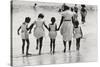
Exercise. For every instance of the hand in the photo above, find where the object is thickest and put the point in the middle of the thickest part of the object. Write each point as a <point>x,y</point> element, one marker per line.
<point>59,10</point>
<point>29,32</point>
<point>57,29</point>
<point>18,33</point>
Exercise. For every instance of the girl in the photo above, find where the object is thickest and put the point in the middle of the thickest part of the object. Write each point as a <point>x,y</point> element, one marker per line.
<point>52,34</point>
<point>66,26</point>
<point>83,13</point>
<point>38,31</point>
<point>77,34</point>
<point>24,34</point>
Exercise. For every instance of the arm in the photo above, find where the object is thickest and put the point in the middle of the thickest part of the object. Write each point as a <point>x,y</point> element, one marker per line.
<point>30,28</point>
<point>81,32</point>
<point>59,10</point>
<point>73,31</point>
<point>56,28</point>
<point>61,22</point>
<point>73,20</point>
<point>46,26</point>
<point>18,30</point>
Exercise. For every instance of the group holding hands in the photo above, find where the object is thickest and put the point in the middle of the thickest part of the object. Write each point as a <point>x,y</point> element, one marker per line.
<point>69,27</point>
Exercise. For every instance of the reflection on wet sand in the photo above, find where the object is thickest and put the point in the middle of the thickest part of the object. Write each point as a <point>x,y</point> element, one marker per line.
<point>51,59</point>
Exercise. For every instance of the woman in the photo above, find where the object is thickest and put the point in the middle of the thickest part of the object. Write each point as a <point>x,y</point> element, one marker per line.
<point>66,26</point>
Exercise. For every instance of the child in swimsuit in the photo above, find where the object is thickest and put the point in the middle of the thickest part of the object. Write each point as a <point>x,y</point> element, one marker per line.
<point>38,31</point>
<point>25,34</point>
<point>52,34</point>
<point>77,34</point>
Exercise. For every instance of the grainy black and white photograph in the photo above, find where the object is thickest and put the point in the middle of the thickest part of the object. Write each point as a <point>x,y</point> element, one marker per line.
<point>53,33</point>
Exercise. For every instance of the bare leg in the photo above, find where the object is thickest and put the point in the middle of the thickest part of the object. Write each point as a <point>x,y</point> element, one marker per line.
<point>53,46</point>
<point>41,39</point>
<point>50,45</point>
<point>78,44</point>
<point>37,44</point>
<point>69,44</point>
<point>23,45</point>
<point>64,42</point>
<point>27,49</point>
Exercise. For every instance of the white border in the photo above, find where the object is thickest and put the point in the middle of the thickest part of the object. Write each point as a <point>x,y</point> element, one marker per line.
<point>5,33</point>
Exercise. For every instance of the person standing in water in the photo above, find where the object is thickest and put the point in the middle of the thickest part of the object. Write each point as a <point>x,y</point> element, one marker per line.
<point>34,7</point>
<point>66,26</point>
<point>83,13</point>
<point>52,34</point>
<point>77,31</point>
<point>25,34</point>
<point>39,31</point>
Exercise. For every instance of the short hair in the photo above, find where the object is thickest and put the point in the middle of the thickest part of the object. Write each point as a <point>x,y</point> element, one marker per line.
<point>83,5</point>
<point>35,4</point>
<point>53,19</point>
<point>27,19</point>
<point>40,15</point>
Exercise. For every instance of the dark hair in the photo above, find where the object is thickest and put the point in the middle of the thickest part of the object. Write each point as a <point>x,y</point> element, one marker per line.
<point>27,19</point>
<point>72,9</point>
<point>75,4</point>
<point>83,5</point>
<point>35,4</point>
<point>76,23</point>
<point>53,19</point>
<point>65,7</point>
<point>40,15</point>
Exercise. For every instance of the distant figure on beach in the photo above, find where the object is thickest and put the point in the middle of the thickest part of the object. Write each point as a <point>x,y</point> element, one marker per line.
<point>83,13</point>
<point>34,7</point>
<point>75,8</point>
<point>25,34</point>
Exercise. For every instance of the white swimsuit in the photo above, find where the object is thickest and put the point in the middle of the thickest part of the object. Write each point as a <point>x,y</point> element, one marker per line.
<point>52,33</point>
<point>39,30</point>
<point>24,32</point>
<point>77,32</point>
